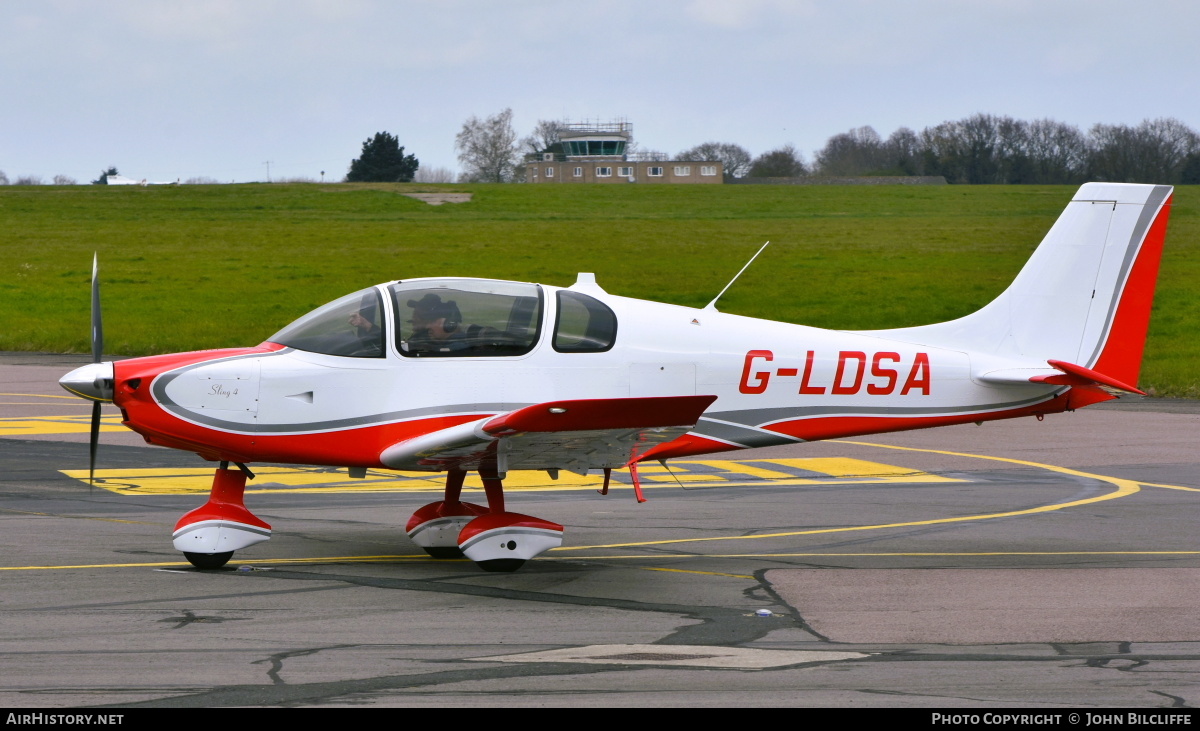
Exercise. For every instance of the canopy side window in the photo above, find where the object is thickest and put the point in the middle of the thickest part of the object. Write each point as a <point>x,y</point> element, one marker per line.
<point>466,319</point>
<point>584,324</point>
<point>352,326</point>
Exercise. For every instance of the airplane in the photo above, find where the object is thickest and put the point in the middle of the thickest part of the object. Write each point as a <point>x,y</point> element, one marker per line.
<point>461,374</point>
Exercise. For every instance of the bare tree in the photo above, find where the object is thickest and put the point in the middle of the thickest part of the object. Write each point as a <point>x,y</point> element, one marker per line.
<point>734,158</point>
<point>28,180</point>
<point>546,133</point>
<point>904,149</point>
<point>3,178</point>
<point>65,180</point>
<point>784,162</point>
<point>487,148</point>
<point>857,152</point>
<point>1111,155</point>
<point>434,175</point>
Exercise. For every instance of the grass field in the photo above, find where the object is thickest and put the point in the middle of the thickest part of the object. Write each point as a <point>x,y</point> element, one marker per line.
<point>193,267</point>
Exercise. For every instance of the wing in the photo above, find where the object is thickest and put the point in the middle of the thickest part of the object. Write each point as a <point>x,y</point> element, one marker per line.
<point>571,435</point>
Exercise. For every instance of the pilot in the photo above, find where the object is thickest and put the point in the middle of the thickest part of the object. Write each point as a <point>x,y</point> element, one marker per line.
<point>436,325</point>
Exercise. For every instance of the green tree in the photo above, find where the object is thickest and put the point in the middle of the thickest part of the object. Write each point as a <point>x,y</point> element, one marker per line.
<point>784,162</point>
<point>382,161</point>
<point>735,159</point>
<point>103,179</point>
<point>1190,175</point>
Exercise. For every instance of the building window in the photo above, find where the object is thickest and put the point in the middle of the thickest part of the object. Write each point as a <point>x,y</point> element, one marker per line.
<point>603,172</point>
<point>682,170</point>
<point>579,172</point>
<point>549,172</point>
<point>708,169</point>
<point>625,172</point>
<point>654,172</point>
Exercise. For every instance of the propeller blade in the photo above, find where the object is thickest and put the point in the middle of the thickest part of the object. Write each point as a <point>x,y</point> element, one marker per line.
<point>97,323</point>
<point>94,441</point>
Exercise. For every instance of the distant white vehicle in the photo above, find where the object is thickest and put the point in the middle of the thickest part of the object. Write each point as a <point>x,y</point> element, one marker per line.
<point>122,180</point>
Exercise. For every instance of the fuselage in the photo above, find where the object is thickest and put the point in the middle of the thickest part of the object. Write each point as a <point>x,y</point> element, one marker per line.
<point>775,383</point>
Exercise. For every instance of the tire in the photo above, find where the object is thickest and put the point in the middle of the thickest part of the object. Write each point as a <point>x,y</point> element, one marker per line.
<point>444,551</point>
<point>208,561</point>
<point>501,565</point>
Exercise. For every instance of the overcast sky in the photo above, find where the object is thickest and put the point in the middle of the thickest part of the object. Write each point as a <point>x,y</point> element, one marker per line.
<point>167,89</point>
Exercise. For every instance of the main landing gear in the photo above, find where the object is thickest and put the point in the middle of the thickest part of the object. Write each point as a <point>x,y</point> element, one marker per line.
<point>210,534</point>
<point>495,539</point>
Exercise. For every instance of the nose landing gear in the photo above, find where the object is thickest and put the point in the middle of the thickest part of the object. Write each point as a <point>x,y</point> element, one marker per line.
<point>209,535</point>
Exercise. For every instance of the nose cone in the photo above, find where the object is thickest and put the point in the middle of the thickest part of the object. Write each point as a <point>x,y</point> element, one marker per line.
<point>93,381</point>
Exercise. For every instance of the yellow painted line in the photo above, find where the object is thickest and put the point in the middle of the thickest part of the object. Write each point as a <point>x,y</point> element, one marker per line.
<point>898,554</point>
<point>257,562</point>
<point>39,403</point>
<point>1124,489</point>
<point>81,424</point>
<point>42,395</point>
<point>696,473</point>
<point>79,517</point>
<point>1170,487</point>
<point>702,573</point>
<point>422,558</point>
<point>746,468</point>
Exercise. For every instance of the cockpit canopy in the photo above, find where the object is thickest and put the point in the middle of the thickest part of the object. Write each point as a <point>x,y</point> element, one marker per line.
<point>452,318</point>
<point>466,317</point>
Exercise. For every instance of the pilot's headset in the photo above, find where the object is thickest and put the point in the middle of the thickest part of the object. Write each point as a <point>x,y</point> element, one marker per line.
<point>449,310</point>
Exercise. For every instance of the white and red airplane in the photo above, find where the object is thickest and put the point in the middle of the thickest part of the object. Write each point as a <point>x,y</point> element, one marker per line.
<point>454,375</point>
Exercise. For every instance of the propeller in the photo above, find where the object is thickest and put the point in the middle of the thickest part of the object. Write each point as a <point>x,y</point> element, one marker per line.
<point>97,352</point>
<point>95,380</point>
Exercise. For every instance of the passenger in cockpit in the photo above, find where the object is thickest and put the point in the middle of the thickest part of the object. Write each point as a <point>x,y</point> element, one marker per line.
<point>370,337</point>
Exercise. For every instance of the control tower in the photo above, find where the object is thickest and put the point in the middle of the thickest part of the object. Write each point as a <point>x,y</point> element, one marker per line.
<point>597,152</point>
<point>588,140</point>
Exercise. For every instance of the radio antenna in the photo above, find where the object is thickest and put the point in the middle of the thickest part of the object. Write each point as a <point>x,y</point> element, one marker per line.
<point>713,305</point>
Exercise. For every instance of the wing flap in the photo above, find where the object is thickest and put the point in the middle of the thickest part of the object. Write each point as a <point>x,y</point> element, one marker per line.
<point>575,435</point>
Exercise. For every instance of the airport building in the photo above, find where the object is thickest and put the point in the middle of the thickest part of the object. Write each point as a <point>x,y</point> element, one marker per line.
<point>596,153</point>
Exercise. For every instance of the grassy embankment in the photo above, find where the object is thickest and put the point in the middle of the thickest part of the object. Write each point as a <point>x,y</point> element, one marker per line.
<point>210,266</point>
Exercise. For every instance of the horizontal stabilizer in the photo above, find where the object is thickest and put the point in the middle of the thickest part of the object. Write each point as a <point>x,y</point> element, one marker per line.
<point>1059,373</point>
<point>573,435</point>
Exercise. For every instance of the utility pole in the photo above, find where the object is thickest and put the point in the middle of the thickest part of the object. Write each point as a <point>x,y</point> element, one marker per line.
<point>268,164</point>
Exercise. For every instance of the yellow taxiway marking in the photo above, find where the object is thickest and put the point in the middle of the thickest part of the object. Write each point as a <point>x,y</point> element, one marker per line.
<point>77,517</point>
<point>692,473</point>
<point>1124,489</point>
<point>423,558</point>
<point>42,395</point>
<point>702,573</point>
<point>760,472</point>
<point>81,424</point>
<point>1170,487</point>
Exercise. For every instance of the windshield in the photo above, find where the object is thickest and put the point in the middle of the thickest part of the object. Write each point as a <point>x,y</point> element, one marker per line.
<point>466,318</point>
<point>350,326</point>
